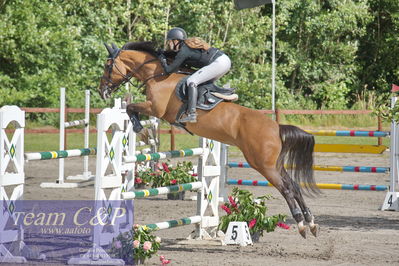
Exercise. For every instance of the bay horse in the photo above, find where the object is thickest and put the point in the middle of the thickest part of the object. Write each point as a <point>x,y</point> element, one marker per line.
<point>266,145</point>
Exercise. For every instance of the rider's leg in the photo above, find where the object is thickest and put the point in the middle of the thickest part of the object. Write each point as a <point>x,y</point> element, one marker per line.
<point>192,103</point>
<point>213,71</point>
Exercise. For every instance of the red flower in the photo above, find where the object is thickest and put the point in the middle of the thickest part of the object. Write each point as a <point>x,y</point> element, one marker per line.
<point>283,225</point>
<point>173,181</point>
<point>252,223</point>
<point>232,202</point>
<point>226,209</point>
<point>165,167</point>
<point>138,180</point>
<point>194,174</point>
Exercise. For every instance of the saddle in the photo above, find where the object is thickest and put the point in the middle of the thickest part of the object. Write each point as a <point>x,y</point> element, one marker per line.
<point>209,95</point>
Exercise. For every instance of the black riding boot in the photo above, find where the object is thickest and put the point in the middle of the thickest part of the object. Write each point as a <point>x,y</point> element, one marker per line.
<point>191,116</point>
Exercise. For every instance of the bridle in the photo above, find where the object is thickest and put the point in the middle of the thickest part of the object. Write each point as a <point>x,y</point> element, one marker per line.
<point>111,86</point>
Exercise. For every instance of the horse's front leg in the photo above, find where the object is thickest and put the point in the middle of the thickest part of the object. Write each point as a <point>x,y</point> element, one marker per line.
<point>133,111</point>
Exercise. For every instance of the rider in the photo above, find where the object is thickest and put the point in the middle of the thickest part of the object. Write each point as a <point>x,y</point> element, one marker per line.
<point>194,52</point>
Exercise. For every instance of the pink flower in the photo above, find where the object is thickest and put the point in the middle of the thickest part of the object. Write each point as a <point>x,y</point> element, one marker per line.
<point>164,262</point>
<point>283,225</point>
<point>136,244</point>
<point>232,202</point>
<point>147,245</point>
<point>173,181</point>
<point>165,167</point>
<point>138,180</point>
<point>158,166</point>
<point>252,223</point>
<point>226,209</point>
<point>118,244</point>
<point>136,226</point>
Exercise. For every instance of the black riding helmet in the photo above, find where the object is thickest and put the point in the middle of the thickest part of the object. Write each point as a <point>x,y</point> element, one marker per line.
<point>176,34</point>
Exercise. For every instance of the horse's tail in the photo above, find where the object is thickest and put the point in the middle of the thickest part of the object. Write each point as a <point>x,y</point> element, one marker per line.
<point>297,156</point>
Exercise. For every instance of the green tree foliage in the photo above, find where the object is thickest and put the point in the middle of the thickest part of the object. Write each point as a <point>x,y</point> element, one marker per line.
<point>319,43</point>
<point>328,52</point>
<point>378,55</point>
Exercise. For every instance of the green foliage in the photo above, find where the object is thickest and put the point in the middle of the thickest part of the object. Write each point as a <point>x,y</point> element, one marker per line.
<point>378,49</point>
<point>328,52</point>
<point>242,207</point>
<point>182,173</point>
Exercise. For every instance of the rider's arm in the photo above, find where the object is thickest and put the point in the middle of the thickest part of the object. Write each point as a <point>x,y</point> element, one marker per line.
<point>181,56</point>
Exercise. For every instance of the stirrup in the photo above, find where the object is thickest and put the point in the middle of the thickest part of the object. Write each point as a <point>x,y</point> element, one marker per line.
<point>190,118</point>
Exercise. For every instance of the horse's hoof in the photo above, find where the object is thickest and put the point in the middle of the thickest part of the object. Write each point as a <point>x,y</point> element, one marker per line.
<point>315,230</point>
<point>302,231</point>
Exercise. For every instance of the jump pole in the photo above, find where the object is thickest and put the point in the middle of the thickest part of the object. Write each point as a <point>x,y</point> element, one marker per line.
<point>60,182</point>
<point>264,183</point>
<point>360,169</point>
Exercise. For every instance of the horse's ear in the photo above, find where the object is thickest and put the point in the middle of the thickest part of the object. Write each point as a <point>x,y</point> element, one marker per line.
<point>114,46</point>
<point>109,49</point>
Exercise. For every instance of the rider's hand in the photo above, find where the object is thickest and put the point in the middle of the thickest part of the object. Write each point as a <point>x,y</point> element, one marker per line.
<point>160,52</point>
<point>162,58</point>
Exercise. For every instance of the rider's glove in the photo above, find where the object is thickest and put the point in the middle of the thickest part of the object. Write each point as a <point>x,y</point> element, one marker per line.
<point>160,52</point>
<point>162,58</point>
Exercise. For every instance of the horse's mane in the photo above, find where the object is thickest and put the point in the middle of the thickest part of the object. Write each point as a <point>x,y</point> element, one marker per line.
<point>141,46</point>
<point>146,47</point>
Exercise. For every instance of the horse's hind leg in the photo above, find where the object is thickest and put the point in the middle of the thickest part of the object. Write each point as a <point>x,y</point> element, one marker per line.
<point>309,218</point>
<point>284,185</point>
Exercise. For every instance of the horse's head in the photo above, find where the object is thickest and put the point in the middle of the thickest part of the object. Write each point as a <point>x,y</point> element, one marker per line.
<point>112,78</point>
<point>117,73</point>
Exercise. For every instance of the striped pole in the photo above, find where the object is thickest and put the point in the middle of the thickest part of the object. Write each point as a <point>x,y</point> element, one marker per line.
<point>175,223</point>
<point>319,185</point>
<point>47,155</point>
<point>148,122</point>
<point>348,133</point>
<point>75,123</point>
<point>163,155</point>
<point>142,143</point>
<point>360,169</point>
<point>242,182</point>
<point>161,190</point>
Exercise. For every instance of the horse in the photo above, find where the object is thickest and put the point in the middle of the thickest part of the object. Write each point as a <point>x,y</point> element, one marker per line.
<point>266,145</point>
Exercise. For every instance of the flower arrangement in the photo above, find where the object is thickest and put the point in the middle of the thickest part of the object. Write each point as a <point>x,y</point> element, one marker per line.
<point>168,175</point>
<point>135,245</point>
<point>143,175</point>
<point>243,208</point>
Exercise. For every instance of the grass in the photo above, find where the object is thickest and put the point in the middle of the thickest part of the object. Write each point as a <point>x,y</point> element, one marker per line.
<point>336,122</point>
<point>50,142</point>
